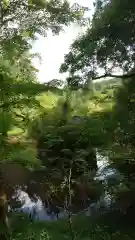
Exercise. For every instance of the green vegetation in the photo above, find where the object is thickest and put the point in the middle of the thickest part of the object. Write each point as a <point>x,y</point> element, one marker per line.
<point>50,133</point>
<point>105,227</point>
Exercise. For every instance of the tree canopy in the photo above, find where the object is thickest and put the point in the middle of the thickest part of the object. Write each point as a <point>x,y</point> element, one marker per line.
<point>35,16</point>
<point>71,130</point>
<point>20,22</point>
<point>108,43</point>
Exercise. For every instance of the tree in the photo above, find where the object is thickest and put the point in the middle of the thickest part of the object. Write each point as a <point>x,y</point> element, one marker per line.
<point>35,16</point>
<point>105,45</point>
<point>67,143</point>
<point>108,44</point>
<point>20,21</point>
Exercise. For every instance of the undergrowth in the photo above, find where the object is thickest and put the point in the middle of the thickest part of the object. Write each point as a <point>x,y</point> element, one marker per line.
<point>105,227</point>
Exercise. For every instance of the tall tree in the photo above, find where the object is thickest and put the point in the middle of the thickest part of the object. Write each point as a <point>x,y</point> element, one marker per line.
<point>19,22</point>
<point>105,45</point>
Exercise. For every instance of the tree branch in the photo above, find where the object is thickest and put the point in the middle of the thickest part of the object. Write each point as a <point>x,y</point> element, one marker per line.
<point>128,75</point>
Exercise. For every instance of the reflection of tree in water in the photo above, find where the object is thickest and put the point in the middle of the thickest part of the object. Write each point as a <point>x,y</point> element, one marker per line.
<point>36,185</point>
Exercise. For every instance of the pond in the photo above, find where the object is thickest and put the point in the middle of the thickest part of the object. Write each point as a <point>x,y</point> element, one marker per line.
<point>37,211</point>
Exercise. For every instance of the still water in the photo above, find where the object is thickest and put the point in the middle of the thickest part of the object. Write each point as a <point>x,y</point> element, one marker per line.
<point>38,212</point>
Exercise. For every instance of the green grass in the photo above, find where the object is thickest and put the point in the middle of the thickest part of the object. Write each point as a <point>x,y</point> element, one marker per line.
<point>84,229</point>
<point>16,131</point>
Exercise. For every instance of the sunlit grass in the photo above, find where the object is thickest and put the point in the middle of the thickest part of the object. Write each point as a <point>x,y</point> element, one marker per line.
<point>16,131</point>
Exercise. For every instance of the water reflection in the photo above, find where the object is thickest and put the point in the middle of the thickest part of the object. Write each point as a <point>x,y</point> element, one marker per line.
<point>38,212</point>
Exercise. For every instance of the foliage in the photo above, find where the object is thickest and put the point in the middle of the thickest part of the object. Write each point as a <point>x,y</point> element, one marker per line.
<point>64,145</point>
<point>69,126</point>
<point>20,22</point>
<point>105,227</point>
<point>122,152</point>
<point>104,45</point>
<point>29,17</point>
